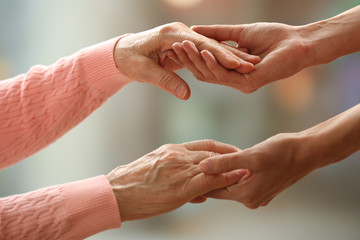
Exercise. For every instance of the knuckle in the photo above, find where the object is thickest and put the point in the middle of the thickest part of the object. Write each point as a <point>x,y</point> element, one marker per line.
<point>228,179</point>
<point>171,155</point>
<point>167,28</point>
<point>179,25</point>
<point>227,165</point>
<point>201,44</point>
<point>172,152</point>
<point>210,142</point>
<point>230,163</point>
<point>212,45</point>
<point>165,81</point>
<point>171,27</point>
<point>166,146</point>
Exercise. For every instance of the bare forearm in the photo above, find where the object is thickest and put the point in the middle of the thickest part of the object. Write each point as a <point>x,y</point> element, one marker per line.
<point>333,140</point>
<point>334,37</point>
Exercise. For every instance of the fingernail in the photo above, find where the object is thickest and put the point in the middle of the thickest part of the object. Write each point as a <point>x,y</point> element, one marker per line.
<point>176,47</point>
<point>242,172</point>
<point>207,56</point>
<point>256,60</point>
<point>176,44</point>
<point>181,91</point>
<point>205,166</point>
<point>203,54</point>
<point>245,67</point>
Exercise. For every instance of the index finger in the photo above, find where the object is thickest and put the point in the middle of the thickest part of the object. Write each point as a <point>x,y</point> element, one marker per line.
<point>211,146</point>
<point>202,183</point>
<point>227,162</point>
<point>243,82</point>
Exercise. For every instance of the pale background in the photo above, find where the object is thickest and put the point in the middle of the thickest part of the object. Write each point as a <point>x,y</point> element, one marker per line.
<point>140,118</point>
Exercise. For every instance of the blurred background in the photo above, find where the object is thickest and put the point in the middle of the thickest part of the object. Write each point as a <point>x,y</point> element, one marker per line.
<point>140,118</point>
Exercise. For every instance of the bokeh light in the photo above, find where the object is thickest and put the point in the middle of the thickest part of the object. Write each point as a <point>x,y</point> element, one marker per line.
<point>183,3</point>
<point>295,93</point>
<point>141,117</point>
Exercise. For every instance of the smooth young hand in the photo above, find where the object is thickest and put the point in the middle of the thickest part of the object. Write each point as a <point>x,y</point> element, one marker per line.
<point>282,50</point>
<point>282,160</point>
<point>273,166</point>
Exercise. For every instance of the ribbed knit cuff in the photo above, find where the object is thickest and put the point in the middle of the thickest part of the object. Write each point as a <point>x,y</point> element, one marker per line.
<point>91,207</point>
<point>100,68</point>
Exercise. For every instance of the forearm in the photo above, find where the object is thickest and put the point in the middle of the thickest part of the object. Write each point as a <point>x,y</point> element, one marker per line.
<point>69,211</point>
<point>39,107</point>
<point>334,37</point>
<point>331,141</point>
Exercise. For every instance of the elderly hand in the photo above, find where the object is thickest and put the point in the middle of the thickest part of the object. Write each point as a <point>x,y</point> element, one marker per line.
<point>283,49</point>
<point>148,56</point>
<point>167,178</point>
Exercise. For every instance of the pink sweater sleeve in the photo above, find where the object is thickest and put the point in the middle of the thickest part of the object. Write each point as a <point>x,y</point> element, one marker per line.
<point>36,109</point>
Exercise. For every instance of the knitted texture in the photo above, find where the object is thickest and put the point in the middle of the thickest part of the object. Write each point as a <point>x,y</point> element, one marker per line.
<point>35,215</point>
<point>70,211</point>
<point>37,108</point>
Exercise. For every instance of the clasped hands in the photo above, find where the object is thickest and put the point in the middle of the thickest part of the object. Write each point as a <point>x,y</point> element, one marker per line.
<point>175,174</point>
<point>172,175</point>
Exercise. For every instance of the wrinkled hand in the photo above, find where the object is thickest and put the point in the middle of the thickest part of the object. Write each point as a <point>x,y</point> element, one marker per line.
<point>274,165</point>
<point>167,178</point>
<point>283,50</point>
<point>148,56</point>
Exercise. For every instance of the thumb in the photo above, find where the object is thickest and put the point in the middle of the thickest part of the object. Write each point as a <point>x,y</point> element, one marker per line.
<point>203,183</point>
<point>165,79</point>
<point>226,162</point>
<point>219,32</point>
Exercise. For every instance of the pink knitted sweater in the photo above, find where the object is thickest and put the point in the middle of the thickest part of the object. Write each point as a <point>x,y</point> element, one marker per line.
<point>36,109</point>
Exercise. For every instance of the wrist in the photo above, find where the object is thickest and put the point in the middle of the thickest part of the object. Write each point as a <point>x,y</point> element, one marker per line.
<point>333,140</point>
<point>300,151</point>
<point>312,153</point>
<point>334,37</point>
<point>116,189</point>
<point>123,55</point>
<point>318,43</point>
<point>122,190</point>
